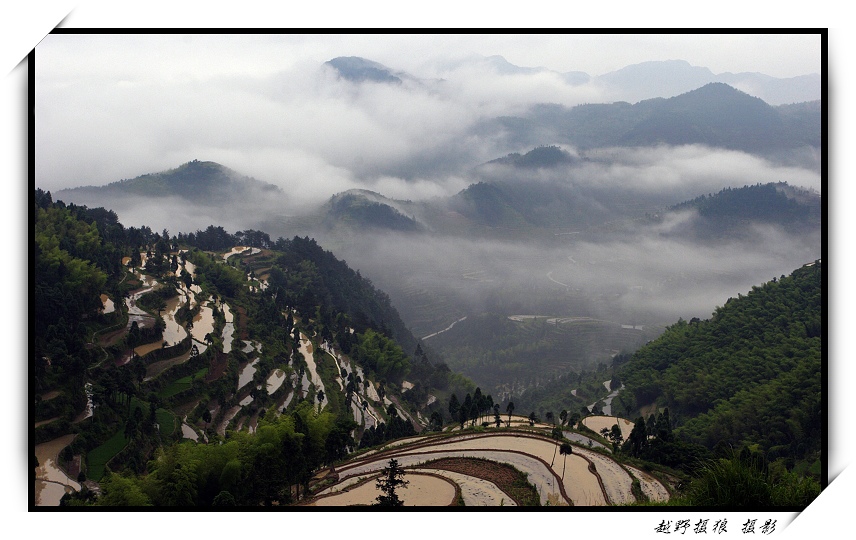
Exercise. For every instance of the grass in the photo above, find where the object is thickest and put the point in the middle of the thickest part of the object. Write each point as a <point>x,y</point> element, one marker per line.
<point>744,484</point>
<point>97,458</point>
<point>182,384</point>
<point>167,422</point>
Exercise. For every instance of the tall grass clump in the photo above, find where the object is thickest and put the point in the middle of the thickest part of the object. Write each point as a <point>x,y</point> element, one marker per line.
<point>745,481</point>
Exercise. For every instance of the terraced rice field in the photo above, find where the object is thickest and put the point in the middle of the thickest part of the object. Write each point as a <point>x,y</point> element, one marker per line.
<point>583,478</point>
<point>596,423</point>
<point>425,488</point>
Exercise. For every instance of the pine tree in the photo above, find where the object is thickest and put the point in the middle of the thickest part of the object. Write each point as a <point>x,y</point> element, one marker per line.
<point>388,482</point>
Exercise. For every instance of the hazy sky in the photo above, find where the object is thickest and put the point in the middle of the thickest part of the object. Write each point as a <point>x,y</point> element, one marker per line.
<point>116,106</point>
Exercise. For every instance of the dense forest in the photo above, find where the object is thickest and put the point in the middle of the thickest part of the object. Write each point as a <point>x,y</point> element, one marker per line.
<point>748,377</point>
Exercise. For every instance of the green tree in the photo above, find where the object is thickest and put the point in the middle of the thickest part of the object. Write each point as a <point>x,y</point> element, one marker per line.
<point>454,406</point>
<point>566,449</point>
<point>389,481</point>
<point>509,409</point>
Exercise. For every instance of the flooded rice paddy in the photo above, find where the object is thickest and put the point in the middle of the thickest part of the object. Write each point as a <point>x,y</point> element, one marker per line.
<point>51,482</point>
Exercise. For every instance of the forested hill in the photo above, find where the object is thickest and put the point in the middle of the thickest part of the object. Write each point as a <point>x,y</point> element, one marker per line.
<point>730,210</point>
<point>750,376</point>
<point>715,115</point>
<point>197,181</point>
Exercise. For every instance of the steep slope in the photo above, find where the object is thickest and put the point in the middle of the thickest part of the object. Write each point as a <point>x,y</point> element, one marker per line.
<point>748,376</point>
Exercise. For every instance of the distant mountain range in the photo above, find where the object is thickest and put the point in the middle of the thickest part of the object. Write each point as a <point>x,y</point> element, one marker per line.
<point>715,115</point>
<point>637,82</point>
<point>501,199</point>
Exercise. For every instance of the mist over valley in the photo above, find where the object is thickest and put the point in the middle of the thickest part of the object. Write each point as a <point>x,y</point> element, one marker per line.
<point>458,206</point>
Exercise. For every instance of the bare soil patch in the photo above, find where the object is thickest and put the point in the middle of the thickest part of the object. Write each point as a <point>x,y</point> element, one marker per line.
<point>511,481</point>
<point>242,323</point>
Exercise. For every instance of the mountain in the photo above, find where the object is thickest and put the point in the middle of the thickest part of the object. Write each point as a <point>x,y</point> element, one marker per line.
<point>193,195</point>
<point>750,376</point>
<point>361,209</point>
<point>663,79</point>
<point>356,69</point>
<point>199,181</point>
<point>728,213</point>
<point>714,115</point>
<point>670,78</point>
<point>541,157</point>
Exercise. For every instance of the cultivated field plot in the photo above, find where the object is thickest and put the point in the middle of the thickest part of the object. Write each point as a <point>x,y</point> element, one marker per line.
<point>583,478</point>
<point>597,423</point>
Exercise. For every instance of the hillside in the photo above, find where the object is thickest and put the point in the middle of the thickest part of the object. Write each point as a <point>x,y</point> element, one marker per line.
<point>190,338</point>
<point>750,376</point>
<point>204,182</point>
<point>360,210</point>
<point>729,213</point>
<point>715,114</point>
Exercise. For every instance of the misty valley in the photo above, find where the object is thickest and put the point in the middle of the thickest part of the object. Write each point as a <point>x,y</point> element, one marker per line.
<point>603,304</point>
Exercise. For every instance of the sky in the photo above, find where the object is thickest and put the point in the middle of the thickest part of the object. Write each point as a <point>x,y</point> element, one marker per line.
<point>764,59</point>
<point>115,106</point>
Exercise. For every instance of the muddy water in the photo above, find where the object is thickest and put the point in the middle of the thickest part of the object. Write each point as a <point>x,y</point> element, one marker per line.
<point>231,413</point>
<point>228,329</point>
<point>650,485</point>
<point>51,482</point>
<point>311,368</point>
<point>580,485</point>
<point>174,332</point>
<point>234,251</point>
<point>597,423</point>
<point>275,381</point>
<point>108,304</point>
<point>246,374</point>
<point>607,401</point>
<point>539,474</point>
<point>44,422</point>
<point>616,481</point>
<point>422,490</point>
<point>203,324</point>
<point>134,312</point>
<point>188,432</point>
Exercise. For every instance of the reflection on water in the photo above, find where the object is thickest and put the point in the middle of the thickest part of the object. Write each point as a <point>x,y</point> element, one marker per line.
<point>275,381</point>
<point>306,350</point>
<point>228,329</point>
<point>51,482</point>
<point>246,374</point>
<point>203,324</point>
<point>230,414</point>
<point>173,332</point>
<point>108,304</point>
<point>188,432</point>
